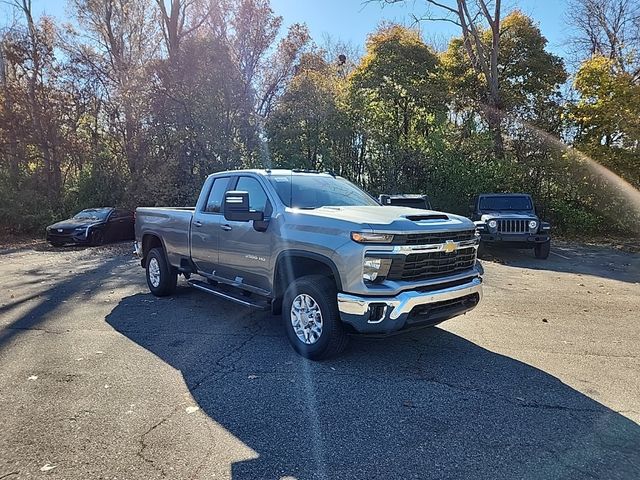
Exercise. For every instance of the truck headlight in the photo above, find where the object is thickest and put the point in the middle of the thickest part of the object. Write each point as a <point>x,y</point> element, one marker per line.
<point>365,237</point>
<point>492,224</point>
<point>533,225</point>
<point>375,268</point>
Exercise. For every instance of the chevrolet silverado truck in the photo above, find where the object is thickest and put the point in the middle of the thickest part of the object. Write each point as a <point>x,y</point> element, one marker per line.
<point>510,220</point>
<point>316,249</point>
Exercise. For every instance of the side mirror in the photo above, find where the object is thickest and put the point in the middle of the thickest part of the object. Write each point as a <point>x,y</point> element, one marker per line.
<point>384,199</point>
<point>236,208</point>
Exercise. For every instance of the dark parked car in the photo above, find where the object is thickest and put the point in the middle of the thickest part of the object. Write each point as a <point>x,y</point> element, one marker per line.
<point>411,201</point>
<point>509,219</point>
<point>93,226</point>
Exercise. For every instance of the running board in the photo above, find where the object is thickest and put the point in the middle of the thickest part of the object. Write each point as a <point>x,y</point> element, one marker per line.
<point>227,295</point>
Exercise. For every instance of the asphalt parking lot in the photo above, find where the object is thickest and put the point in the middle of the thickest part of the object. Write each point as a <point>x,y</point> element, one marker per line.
<point>99,379</point>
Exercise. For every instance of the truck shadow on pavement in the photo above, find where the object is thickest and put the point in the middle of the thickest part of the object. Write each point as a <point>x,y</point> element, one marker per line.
<point>600,262</point>
<point>427,404</point>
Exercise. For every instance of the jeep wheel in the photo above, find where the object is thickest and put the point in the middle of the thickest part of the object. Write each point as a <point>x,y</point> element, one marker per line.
<point>161,277</point>
<point>542,249</point>
<point>311,319</point>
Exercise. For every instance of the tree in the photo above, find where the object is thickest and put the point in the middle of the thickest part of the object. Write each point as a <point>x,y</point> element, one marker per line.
<point>174,22</point>
<point>30,51</point>
<point>608,28</point>
<point>482,55</point>
<point>122,42</point>
<point>530,76</point>
<point>398,102</point>
<point>309,127</point>
<point>608,116</point>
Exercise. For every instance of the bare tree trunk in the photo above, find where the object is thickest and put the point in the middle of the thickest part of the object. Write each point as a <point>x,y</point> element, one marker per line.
<point>14,161</point>
<point>38,121</point>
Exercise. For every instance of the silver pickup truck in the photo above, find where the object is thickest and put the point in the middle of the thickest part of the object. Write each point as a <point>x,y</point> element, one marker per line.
<point>317,249</point>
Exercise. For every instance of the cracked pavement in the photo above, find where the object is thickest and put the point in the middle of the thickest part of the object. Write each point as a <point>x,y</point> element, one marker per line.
<point>101,380</point>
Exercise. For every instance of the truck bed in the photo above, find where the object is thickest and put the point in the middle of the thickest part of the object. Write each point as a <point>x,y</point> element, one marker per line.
<point>172,224</point>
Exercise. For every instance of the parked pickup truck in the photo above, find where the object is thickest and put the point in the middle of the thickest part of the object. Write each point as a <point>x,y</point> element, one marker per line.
<point>316,249</point>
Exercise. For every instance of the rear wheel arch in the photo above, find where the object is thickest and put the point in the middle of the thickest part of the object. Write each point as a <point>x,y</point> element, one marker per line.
<point>149,242</point>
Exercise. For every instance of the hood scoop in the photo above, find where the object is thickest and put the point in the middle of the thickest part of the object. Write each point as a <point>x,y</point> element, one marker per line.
<point>427,216</point>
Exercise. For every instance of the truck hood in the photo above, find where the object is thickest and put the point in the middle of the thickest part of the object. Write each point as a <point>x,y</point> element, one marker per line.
<point>393,219</point>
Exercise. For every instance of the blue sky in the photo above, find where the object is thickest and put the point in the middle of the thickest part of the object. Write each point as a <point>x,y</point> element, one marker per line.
<point>352,20</point>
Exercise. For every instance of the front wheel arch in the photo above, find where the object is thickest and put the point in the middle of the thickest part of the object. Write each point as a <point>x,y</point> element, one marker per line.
<point>292,264</point>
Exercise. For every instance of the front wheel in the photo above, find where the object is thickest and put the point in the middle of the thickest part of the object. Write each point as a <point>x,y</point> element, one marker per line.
<point>161,277</point>
<point>311,319</point>
<point>97,238</point>
<point>542,249</point>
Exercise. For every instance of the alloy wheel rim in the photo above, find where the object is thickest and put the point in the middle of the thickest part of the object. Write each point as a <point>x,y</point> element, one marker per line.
<point>154,272</point>
<point>306,319</point>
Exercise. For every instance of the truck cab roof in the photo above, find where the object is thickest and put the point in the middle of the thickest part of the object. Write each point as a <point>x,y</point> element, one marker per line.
<point>266,172</point>
<point>504,195</point>
<point>411,200</point>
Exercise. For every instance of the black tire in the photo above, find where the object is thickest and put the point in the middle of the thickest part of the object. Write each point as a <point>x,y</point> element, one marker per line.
<point>542,250</point>
<point>167,277</point>
<point>333,338</point>
<point>97,238</point>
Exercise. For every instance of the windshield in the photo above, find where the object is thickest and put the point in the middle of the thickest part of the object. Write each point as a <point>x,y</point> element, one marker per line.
<point>315,191</point>
<point>515,202</point>
<point>93,214</point>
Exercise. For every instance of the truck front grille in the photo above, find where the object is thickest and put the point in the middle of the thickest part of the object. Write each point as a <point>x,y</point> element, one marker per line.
<point>419,266</point>
<point>433,238</point>
<point>513,225</point>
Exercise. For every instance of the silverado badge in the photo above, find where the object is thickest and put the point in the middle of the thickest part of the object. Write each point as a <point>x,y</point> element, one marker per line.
<point>450,246</point>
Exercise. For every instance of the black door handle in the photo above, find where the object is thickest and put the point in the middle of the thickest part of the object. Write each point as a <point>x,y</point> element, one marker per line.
<point>197,223</point>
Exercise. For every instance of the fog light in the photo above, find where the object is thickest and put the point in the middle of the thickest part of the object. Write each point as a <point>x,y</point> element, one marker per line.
<point>375,268</point>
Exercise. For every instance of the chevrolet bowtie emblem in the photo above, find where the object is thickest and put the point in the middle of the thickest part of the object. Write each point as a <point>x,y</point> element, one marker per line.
<point>450,246</point>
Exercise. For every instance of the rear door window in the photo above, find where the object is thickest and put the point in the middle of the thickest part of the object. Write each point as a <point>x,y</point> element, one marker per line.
<point>216,195</point>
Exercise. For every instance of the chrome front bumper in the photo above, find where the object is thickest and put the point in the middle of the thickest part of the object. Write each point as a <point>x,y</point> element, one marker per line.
<point>389,314</point>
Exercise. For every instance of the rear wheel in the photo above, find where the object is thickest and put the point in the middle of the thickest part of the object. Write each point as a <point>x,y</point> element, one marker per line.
<point>161,277</point>
<point>542,249</point>
<point>311,319</point>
